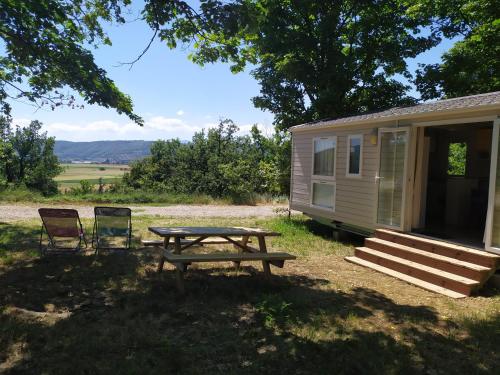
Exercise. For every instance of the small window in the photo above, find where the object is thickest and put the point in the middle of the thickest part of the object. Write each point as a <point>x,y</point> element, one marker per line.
<point>323,195</point>
<point>457,158</point>
<point>354,155</point>
<point>324,157</point>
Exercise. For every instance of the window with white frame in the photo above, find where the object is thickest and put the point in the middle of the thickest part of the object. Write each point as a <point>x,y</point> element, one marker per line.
<point>324,157</point>
<point>354,155</point>
<point>323,172</point>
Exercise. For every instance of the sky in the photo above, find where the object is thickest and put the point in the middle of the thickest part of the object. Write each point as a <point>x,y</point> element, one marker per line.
<point>175,97</point>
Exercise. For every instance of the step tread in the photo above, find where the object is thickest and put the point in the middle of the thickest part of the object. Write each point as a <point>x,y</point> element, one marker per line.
<point>441,243</point>
<point>404,277</point>
<point>469,265</point>
<point>435,271</point>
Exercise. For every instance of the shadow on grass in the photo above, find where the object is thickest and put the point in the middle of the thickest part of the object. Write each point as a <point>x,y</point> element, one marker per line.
<point>113,314</point>
<point>17,238</point>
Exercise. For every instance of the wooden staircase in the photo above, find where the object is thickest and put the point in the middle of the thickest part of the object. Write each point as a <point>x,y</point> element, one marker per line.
<point>453,270</point>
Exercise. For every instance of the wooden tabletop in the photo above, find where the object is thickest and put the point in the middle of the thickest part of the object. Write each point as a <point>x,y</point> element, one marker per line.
<point>210,231</point>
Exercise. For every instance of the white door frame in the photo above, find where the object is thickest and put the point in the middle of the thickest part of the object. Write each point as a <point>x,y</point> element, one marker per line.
<point>405,173</point>
<point>492,188</point>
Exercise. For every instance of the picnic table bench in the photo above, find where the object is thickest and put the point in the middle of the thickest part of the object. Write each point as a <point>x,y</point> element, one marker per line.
<point>238,236</point>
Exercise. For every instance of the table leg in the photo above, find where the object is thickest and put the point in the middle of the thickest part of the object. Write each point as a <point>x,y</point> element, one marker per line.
<point>177,245</point>
<point>179,278</point>
<point>244,241</point>
<point>166,241</point>
<point>179,268</point>
<point>265,263</point>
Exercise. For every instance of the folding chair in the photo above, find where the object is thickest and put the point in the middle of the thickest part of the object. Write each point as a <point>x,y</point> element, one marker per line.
<point>64,231</point>
<point>112,228</point>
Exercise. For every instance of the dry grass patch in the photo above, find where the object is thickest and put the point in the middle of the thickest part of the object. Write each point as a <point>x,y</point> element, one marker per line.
<point>114,314</point>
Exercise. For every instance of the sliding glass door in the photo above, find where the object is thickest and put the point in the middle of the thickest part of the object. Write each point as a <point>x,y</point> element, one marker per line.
<point>492,232</point>
<point>391,177</point>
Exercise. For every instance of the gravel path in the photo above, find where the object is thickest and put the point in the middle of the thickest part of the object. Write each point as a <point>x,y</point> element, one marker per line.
<point>22,211</point>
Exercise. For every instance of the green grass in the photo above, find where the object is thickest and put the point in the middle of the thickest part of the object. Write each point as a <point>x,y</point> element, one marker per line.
<point>113,313</point>
<point>112,173</point>
<point>18,195</point>
<point>74,173</point>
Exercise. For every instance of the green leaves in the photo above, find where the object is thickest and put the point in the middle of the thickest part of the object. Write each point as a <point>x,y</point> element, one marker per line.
<point>217,163</point>
<point>45,51</point>
<point>472,65</point>
<point>27,157</point>
<point>313,59</point>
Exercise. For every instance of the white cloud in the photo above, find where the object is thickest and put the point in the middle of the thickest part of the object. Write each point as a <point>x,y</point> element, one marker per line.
<point>180,112</point>
<point>155,127</point>
<point>22,122</point>
<point>163,123</point>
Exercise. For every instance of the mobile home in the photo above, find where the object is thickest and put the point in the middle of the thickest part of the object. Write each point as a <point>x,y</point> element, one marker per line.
<point>429,170</point>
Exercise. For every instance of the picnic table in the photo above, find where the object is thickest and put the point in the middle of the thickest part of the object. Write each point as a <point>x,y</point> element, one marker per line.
<point>238,236</point>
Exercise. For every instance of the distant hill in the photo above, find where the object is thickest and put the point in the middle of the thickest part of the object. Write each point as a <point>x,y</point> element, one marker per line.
<point>119,152</point>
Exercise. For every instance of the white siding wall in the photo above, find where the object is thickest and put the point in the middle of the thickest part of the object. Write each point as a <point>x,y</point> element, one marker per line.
<point>355,198</point>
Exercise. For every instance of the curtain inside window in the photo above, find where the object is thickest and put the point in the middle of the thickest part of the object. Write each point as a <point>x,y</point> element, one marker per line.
<point>354,155</point>
<point>324,157</point>
<point>391,177</point>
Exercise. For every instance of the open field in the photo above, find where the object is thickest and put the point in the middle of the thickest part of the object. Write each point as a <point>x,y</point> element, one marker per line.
<point>114,314</point>
<point>74,173</point>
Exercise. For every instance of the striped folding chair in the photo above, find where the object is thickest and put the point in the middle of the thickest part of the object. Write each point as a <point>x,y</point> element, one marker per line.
<point>112,228</point>
<point>64,231</point>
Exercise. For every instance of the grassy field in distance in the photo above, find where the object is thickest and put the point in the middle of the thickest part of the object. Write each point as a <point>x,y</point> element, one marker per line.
<point>74,173</point>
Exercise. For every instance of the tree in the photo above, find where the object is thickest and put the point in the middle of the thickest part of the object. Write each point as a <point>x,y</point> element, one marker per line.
<point>457,159</point>
<point>472,65</point>
<point>314,59</point>
<point>6,152</point>
<point>30,159</point>
<point>46,49</point>
<point>217,162</point>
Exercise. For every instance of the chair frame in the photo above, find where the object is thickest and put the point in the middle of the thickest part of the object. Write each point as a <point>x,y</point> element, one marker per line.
<point>95,235</point>
<point>52,247</point>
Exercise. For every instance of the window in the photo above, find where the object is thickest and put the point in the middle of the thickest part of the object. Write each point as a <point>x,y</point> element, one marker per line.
<point>323,173</point>
<point>324,157</point>
<point>323,195</point>
<point>457,159</point>
<point>354,155</point>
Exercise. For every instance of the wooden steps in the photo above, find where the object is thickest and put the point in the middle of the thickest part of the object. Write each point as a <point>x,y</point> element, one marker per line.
<point>458,267</point>
<point>409,279</point>
<point>447,249</point>
<point>453,270</point>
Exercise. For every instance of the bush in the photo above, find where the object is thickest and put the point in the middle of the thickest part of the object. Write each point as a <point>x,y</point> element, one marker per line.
<point>218,163</point>
<point>85,187</point>
<point>20,193</point>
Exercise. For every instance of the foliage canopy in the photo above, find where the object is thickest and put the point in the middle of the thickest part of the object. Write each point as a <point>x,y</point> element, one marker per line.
<point>47,49</point>
<point>472,65</point>
<point>216,162</point>
<point>313,59</point>
<point>27,157</point>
